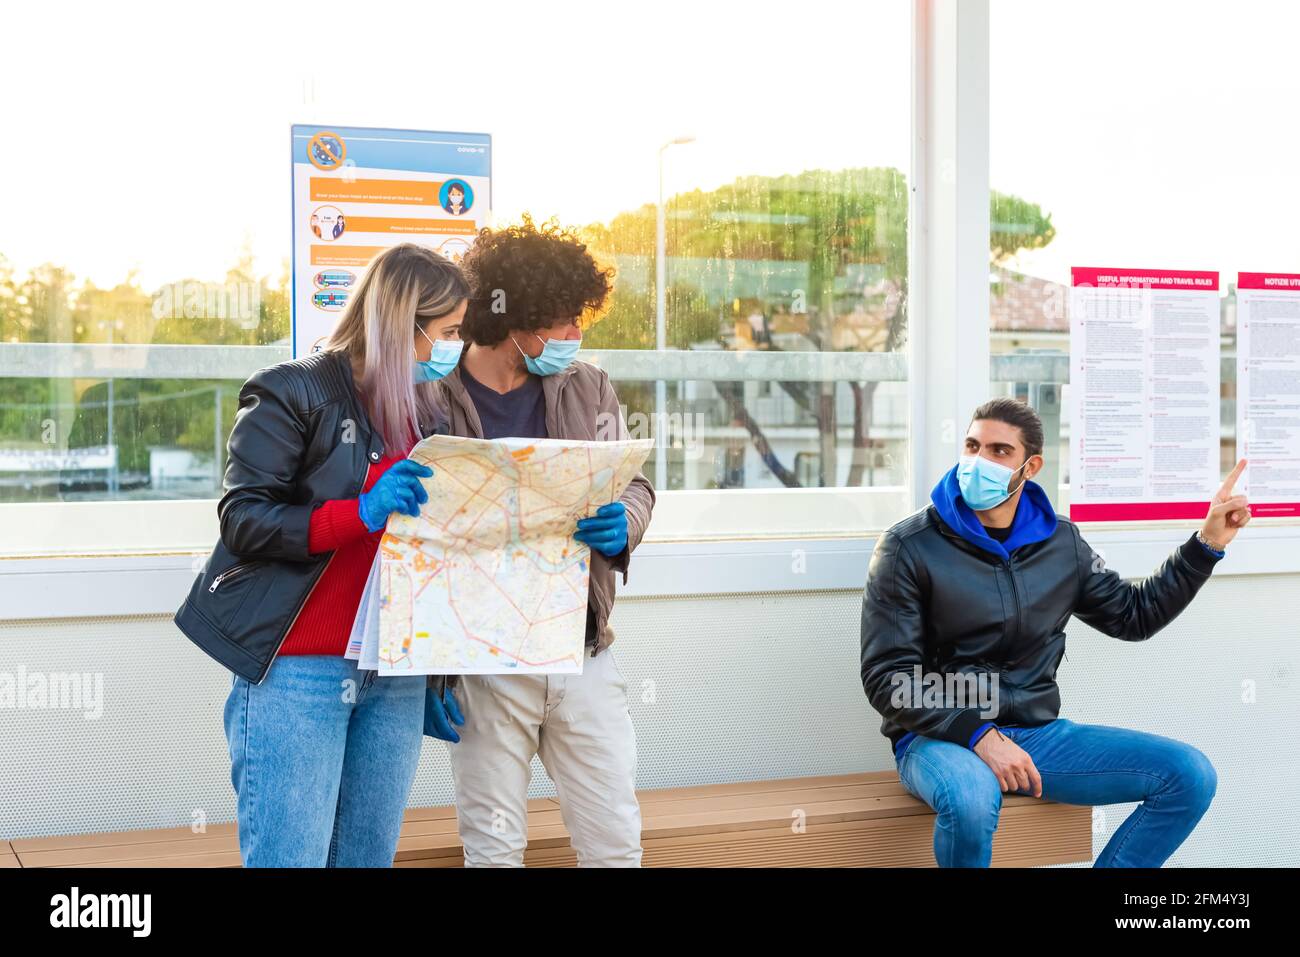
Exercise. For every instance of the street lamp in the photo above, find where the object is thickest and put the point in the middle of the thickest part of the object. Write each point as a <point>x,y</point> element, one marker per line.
<point>661,332</point>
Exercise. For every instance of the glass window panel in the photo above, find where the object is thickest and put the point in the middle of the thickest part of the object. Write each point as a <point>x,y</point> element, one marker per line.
<point>144,246</point>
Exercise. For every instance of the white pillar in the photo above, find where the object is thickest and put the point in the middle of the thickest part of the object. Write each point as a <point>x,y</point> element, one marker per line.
<point>948,242</point>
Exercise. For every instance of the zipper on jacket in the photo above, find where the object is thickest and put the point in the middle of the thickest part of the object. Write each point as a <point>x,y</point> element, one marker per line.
<point>303,604</point>
<point>1013,635</point>
<point>285,637</point>
<point>1015,595</point>
<point>233,571</point>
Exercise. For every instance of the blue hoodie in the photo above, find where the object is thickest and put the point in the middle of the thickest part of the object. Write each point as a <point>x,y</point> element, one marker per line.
<point>1035,521</point>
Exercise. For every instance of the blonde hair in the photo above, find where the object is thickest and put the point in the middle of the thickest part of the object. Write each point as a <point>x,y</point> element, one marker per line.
<point>403,288</point>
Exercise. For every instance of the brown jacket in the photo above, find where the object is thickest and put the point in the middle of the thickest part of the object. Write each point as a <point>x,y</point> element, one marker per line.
<point>580,405</point>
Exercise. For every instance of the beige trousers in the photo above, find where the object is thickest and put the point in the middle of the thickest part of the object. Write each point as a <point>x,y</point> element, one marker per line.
<point>580,727</point>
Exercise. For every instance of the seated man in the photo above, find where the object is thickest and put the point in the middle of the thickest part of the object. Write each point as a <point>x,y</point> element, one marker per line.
<point>975,590</point>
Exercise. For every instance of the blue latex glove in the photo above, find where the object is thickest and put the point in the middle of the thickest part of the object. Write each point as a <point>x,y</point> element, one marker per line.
<point>440,712</point>
<point>607,531</point>
<point>398,490</point>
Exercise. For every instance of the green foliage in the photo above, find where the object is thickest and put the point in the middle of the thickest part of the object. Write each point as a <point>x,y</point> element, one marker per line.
<point>832,238</point>
<point>1016,224</point>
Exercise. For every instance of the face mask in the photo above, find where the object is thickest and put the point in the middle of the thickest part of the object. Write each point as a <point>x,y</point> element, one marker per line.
<point>984,484</point>
<point>556,355</point>
<point>443,358</point>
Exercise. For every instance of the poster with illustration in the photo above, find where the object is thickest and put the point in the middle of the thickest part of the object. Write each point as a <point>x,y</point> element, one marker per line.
<point>359,190</point>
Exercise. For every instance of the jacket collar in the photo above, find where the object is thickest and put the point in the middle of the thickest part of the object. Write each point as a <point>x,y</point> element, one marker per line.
<point>341,366</point>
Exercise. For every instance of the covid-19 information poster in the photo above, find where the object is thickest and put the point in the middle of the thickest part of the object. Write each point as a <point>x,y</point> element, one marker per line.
<point>1268,391</point>
<point>358,190</point>
<point>1144,393</point>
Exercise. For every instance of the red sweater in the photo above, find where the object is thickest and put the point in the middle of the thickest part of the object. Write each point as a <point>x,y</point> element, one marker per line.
<point>325,622</point>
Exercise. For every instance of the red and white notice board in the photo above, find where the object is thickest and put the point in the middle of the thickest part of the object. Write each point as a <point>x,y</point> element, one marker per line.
<point>1268,391</point>
<point>1144,393</point>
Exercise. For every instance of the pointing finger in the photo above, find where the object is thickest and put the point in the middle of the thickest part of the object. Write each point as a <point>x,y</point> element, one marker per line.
<point>1226,488</point>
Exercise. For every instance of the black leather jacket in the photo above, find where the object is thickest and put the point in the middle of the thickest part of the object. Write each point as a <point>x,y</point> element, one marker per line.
<point>936,600</point>
<point>301,437</point>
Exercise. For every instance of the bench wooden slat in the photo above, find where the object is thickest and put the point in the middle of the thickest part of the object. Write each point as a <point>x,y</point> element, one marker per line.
<point>120,855</point>
<point>1056,838</point>
<point>892,842</point>
<point>23,845</point>
<point>847,820</point>
<point>784,801</point>
<point>886,780</point>
<point>217,859</point>
<point>746,819</point>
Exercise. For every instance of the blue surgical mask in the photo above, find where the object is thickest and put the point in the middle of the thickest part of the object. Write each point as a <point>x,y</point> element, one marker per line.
<point>984,484</point>
<point>556,355</point>
<point>443,358</point>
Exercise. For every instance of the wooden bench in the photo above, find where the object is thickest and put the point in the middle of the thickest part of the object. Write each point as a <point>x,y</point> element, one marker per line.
<point>847,820</point>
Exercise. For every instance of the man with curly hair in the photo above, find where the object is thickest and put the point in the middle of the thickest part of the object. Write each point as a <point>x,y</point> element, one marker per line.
<point>519,376</point>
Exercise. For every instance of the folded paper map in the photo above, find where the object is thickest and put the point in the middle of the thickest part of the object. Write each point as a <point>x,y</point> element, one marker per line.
<point>489,578</point>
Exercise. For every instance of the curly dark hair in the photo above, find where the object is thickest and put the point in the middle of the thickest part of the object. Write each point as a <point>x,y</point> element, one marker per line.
<point>527,277</point>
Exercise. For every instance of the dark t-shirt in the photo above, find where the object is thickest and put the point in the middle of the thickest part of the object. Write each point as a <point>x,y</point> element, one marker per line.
<point>520,412</point>
<point>998,534</point>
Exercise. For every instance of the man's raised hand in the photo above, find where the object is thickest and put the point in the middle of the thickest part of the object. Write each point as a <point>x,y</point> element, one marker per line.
<point>1229,513</point>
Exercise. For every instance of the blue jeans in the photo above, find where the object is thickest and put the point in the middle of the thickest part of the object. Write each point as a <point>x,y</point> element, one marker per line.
<point>1085,764</point>
<point>322,757</point>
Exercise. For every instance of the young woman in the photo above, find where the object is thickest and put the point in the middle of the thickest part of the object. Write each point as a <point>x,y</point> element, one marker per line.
<point>323,754</point>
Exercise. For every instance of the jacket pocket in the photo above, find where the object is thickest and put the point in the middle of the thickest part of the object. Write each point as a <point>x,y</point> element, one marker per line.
<point>229,589</point>
<point>1059,655</point>
<point>234,571</point>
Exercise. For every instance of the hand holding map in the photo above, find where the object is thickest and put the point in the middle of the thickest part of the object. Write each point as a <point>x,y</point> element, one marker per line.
<point>489,579</point>
<point>607,531</point>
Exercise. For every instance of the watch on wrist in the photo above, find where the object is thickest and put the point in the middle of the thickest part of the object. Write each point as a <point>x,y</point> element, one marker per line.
<point>1200,537</point>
